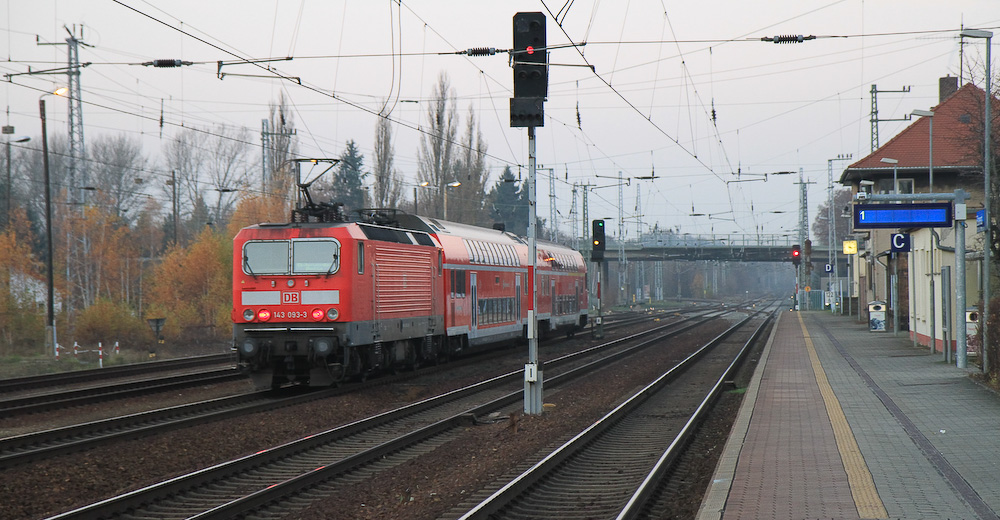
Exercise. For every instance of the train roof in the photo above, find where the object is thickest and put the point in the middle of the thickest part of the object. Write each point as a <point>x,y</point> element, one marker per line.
<point>359,230</point>
<point>402,222</point>
<point>443,228</point>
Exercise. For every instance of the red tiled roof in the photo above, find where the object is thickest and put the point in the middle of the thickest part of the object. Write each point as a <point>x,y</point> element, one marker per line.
<point>957,127</point>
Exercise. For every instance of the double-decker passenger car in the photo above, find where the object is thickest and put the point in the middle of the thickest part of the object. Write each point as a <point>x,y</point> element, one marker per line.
<point>317,302</point>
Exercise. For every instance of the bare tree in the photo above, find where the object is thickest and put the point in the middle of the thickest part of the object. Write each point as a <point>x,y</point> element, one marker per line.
<point>388,188</point>
<point>470,169</point>
<point>841,219</point>
<point>228,165</point>
<point>186,159</point>
<point>282,148</point>
<point>117,165</point>
<point>436,158</point>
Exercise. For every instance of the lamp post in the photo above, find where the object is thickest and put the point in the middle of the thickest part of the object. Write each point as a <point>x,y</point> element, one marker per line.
<point>444,194</point>
<point>416,208</point>
<point>50,311</point>
<point>10,130</point>
<point>831,223</point>
<point>893,162</point>
<point>895,263</point>
<point>929,114</point>
<point>987,123</point>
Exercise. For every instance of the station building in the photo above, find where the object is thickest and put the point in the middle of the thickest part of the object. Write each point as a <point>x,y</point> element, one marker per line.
<point>957,151</point>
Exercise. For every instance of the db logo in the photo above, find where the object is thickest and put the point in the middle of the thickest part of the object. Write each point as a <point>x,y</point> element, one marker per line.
<point>289,297</point>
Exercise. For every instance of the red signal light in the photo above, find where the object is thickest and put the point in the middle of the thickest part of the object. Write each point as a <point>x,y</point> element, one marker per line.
<point>795,252</point>
<point>530,50</point>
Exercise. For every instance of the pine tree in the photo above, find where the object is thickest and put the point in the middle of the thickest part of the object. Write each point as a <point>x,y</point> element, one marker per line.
<point>347,186</point>
<point>508,204</point>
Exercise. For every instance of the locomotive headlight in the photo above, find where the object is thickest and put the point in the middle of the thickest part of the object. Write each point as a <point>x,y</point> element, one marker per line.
<point>323,346</point>
<point>317,314</point>
<point>248,315</point>
<point>263,315</point>
<point>332,314</point>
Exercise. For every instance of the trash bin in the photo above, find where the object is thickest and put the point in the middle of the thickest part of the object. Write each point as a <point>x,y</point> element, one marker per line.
<point>971,332</point>
<point>876,316</point>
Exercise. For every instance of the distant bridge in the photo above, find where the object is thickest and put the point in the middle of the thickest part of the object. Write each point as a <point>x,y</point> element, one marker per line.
<point>728,248</point>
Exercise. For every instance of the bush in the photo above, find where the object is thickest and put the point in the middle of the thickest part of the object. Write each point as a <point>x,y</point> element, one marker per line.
<point>108,322</point>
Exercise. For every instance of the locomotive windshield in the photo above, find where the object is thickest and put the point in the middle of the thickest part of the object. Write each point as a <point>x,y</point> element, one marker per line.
<point>273,257</point>
<point>265,257</point>
<point>315,256</point>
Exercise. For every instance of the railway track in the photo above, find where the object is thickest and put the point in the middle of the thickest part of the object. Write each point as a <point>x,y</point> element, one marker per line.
<point>33,447</point>
<point>45,402</point>
<point>265,481</point>
<point>614,467</point>
<point>102,375</point>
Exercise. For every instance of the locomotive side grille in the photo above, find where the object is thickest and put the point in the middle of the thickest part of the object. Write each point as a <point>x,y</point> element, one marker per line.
<point>403,279</point>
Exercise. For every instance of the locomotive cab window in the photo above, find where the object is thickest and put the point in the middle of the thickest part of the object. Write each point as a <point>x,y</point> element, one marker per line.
<point>315,256</point>
<point>269,257</point>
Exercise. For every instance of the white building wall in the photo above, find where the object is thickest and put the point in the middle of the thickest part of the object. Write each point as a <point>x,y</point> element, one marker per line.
<point>920,286</point>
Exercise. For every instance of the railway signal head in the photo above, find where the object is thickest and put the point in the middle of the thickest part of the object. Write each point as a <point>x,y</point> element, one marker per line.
<point>529,59</point>
<point>529,56</point>
<point>796,255</point>
<point>598,240</point>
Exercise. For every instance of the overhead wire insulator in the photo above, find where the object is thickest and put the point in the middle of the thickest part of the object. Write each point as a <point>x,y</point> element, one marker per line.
<point>166,64</point>
<point>788,38</point>
<point>481,51</point>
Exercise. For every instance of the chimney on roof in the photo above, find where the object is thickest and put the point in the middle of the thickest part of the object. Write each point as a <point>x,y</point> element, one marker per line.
<point>947,86</point>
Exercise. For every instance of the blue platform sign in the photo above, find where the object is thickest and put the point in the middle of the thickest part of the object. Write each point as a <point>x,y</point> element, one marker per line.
<point>981,221</point>
<point>913,215</point>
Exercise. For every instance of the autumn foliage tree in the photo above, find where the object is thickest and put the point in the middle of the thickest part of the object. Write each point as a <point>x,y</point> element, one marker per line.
<point>192,290</point>
<point>22,327</point>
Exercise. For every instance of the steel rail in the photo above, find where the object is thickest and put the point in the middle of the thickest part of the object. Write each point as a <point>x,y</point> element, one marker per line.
<point>501,500</point>
<point>17,384</point>
<point>214,475</point>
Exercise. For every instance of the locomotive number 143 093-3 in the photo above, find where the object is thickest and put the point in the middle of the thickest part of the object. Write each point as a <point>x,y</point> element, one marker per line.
<point>290,315</point>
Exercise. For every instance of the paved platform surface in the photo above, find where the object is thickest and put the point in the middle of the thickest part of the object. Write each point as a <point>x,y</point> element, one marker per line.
<point>840,422</point>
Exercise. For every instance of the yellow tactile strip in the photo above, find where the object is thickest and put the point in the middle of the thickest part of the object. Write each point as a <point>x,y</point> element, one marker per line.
<point>858,476</point>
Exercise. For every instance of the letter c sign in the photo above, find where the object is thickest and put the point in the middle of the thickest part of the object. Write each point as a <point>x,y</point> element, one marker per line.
<point>900,243</point>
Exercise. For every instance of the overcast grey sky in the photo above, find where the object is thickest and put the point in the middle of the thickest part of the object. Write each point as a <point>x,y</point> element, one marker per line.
<point>659,68</point>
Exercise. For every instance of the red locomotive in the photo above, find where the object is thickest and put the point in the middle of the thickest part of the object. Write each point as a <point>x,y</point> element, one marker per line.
<point>323,299</point>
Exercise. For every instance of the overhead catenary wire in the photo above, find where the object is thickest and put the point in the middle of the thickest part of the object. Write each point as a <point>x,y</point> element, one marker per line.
<point>192,112</point>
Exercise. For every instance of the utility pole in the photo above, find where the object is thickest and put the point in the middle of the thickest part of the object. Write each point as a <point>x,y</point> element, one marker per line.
<point>173,203</point>
<point>8,132</point>
<point>622,262</point>
<point>803,226</point>
<point>265,148</point>
<point>586,236</point>
<point>641,275</point>
<point>77,163</point>
<point>831,223</point>
<point>574,238</point>
<point>874,113</point>
<point>267,151</point>
<point>552,202</point>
